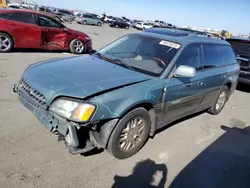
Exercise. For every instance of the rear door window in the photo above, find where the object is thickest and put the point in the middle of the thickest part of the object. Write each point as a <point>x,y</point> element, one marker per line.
<point>24,17</point>
<point>191,56</point>
<point>227,55</point>
<point>212,58</point>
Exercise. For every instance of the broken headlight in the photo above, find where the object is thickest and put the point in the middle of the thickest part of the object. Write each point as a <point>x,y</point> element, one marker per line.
<point>72,110</point>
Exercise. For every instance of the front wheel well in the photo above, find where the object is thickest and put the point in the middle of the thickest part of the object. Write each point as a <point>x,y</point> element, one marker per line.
<point>148,106</point>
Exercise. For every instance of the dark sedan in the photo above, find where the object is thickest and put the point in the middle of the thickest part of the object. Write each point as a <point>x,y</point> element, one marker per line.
<point>119,23</point>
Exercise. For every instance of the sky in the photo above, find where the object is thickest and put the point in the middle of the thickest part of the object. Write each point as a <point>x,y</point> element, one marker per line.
<point>232,15</point>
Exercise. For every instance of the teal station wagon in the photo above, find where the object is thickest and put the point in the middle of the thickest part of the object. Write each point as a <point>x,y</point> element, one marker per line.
<point>120,95</point>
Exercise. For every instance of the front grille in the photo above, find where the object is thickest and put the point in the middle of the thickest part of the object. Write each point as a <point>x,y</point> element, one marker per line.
<point>34,94</point>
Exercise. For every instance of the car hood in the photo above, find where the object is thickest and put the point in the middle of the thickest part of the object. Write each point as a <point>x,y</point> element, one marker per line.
<point>79,77</point>
<point>74,32</point>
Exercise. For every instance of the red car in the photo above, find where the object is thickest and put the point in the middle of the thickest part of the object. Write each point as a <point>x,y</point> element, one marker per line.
<point>30,29</point>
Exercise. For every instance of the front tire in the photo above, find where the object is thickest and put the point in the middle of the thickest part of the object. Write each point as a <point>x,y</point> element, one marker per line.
<point>130,134</point>
<point>220,101</point>
<point>99,24</point>
<point>76,46</point>
<point>6,42</point>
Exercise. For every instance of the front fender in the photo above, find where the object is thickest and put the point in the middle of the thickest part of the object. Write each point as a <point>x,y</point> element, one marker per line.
<point>115,104</point>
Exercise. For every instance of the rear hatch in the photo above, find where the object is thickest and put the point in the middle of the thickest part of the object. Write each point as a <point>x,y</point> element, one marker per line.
<point>241,47</point>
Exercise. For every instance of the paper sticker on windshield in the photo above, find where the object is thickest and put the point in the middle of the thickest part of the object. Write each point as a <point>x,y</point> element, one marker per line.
<point>170,44</point>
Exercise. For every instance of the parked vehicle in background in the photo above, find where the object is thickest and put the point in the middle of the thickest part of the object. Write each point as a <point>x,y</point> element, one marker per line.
<point>78,17</point>
<point>241,47</point>
<point>170,26</point>
<point>134,22</point>
<point>174,75</point>
<point>224,34</point>
<point>65,15</point>
<point>31,29</point>
<point>143,26</point>
<point>128,21</point>
<point>50,13</point>
<point>109,19</point>
<point>88,19</point>
<point>159,23</point>
<point>119,23</point>
<point>14,6</point>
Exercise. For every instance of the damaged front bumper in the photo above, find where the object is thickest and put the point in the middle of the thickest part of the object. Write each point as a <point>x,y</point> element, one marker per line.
<point>66,130</point>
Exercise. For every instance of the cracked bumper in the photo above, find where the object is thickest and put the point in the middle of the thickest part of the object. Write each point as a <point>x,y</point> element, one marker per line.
<point>53,123</point>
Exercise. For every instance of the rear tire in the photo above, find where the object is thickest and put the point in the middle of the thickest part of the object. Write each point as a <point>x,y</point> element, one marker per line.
<point>99,24</point>
<point>76,46</point>
<point>6,42</point>
<point>220,101</point>
<point>84,22</point>
<point>133,129</point>
<point>116,26</point>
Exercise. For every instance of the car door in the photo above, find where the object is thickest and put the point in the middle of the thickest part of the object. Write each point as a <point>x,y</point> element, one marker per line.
<point>216,73</point>
<point>184,95</point>
<point>90,20</point>
<point>25,31</point>
<point>54,37</point>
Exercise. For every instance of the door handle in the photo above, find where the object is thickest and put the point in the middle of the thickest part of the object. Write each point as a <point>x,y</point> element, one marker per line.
<point>199,83</point>
<point>224,76</point>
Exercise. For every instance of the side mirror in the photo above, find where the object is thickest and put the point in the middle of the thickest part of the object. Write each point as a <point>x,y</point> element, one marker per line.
<point>185,71</point>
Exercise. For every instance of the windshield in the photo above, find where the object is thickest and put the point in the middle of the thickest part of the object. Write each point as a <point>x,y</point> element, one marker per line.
<point>143,54</point>
<point>240,47</point>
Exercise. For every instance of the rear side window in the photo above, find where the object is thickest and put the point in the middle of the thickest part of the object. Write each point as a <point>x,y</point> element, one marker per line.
<point>25,17</point>
<point>212,58</point>
<point>227,55</point>
<point>4,16</point>
<point>191,56</point>
<point>87,16</point>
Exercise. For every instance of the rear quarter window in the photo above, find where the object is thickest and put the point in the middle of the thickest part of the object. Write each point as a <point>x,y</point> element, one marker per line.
<point>227,55</point>
<point>212,58</point>
<point>4,16</point>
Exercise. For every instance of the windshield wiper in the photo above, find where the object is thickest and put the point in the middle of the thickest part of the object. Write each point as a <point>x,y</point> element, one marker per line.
<point>118,61</point>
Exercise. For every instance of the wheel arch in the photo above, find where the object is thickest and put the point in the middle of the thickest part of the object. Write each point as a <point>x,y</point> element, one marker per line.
<point>1,31</point>
<point>77,38</point>
<point>108,127</point>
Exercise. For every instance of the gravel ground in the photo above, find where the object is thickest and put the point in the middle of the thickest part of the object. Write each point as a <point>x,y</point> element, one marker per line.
<point>203,151</point>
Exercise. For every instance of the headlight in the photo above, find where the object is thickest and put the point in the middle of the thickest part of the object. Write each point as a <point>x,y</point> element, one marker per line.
<point>72,110</point>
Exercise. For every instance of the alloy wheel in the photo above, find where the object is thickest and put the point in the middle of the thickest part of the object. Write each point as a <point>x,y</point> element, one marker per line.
<point>221,100</point>
<point>5,43</point>
<point>79,47</point>
<point>132,134</point>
